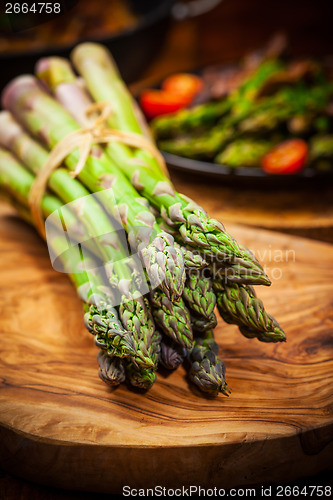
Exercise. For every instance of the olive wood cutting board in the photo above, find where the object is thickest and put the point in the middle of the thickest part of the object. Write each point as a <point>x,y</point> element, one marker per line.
<point>61,425</point>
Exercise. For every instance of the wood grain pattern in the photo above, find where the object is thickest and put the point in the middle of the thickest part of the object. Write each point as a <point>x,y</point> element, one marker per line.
<point>309,207</point>
<point>60,425</point>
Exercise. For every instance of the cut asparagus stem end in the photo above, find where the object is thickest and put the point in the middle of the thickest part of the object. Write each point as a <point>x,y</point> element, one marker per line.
<point>54,70</point>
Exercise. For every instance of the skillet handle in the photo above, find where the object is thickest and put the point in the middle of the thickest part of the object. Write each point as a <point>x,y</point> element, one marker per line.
<point>181,10</point>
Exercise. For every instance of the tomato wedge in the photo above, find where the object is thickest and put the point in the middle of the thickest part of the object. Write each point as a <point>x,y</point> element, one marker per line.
<point>288,157</point>
<point>161,102</point>
<point>183,83</point>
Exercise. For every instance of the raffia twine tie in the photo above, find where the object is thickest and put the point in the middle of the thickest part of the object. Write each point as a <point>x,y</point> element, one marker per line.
<point>96,132</point>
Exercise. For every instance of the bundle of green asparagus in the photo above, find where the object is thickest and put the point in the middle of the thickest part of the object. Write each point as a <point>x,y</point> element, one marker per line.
<point>152,305</point>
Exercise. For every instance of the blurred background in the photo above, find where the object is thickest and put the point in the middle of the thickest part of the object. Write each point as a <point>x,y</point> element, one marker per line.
<point>152,39</point>
<point>235,27</point>
<point>207,30</point>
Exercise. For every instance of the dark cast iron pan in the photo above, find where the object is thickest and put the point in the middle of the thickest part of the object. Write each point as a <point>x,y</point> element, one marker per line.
<point>132,49</point>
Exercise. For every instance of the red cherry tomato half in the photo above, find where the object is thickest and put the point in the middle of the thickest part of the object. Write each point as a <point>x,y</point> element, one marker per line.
<point>160,102</point>
<point>288,157</point>
<point>183,83</point>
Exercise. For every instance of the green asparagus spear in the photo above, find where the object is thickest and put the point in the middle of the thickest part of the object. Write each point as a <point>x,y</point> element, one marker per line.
<point>192,260</point>
<point>239,305</point>
<point>48,121</point>
<point>201,324</point>
<point>102,321</point>
<point>206,115</point>
<point>203,147</point>
<point>240,273</point>
<point>144,378</point>
<point>136,317</point>
<point>197,293</point>
<point>199,117</point>
<point>244,153</point>
<point>201,300</point>
<point>298,101</point>
<point>172,318</point>
<point>206,370</point>
<point>245,269</point>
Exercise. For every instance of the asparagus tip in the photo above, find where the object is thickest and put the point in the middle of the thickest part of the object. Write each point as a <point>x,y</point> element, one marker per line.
<point>225,389</point>
<point>264,280</point>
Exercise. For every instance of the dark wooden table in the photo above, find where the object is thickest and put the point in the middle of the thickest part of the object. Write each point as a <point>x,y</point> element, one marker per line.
<point>225,34</point>
<point>12,488</point>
